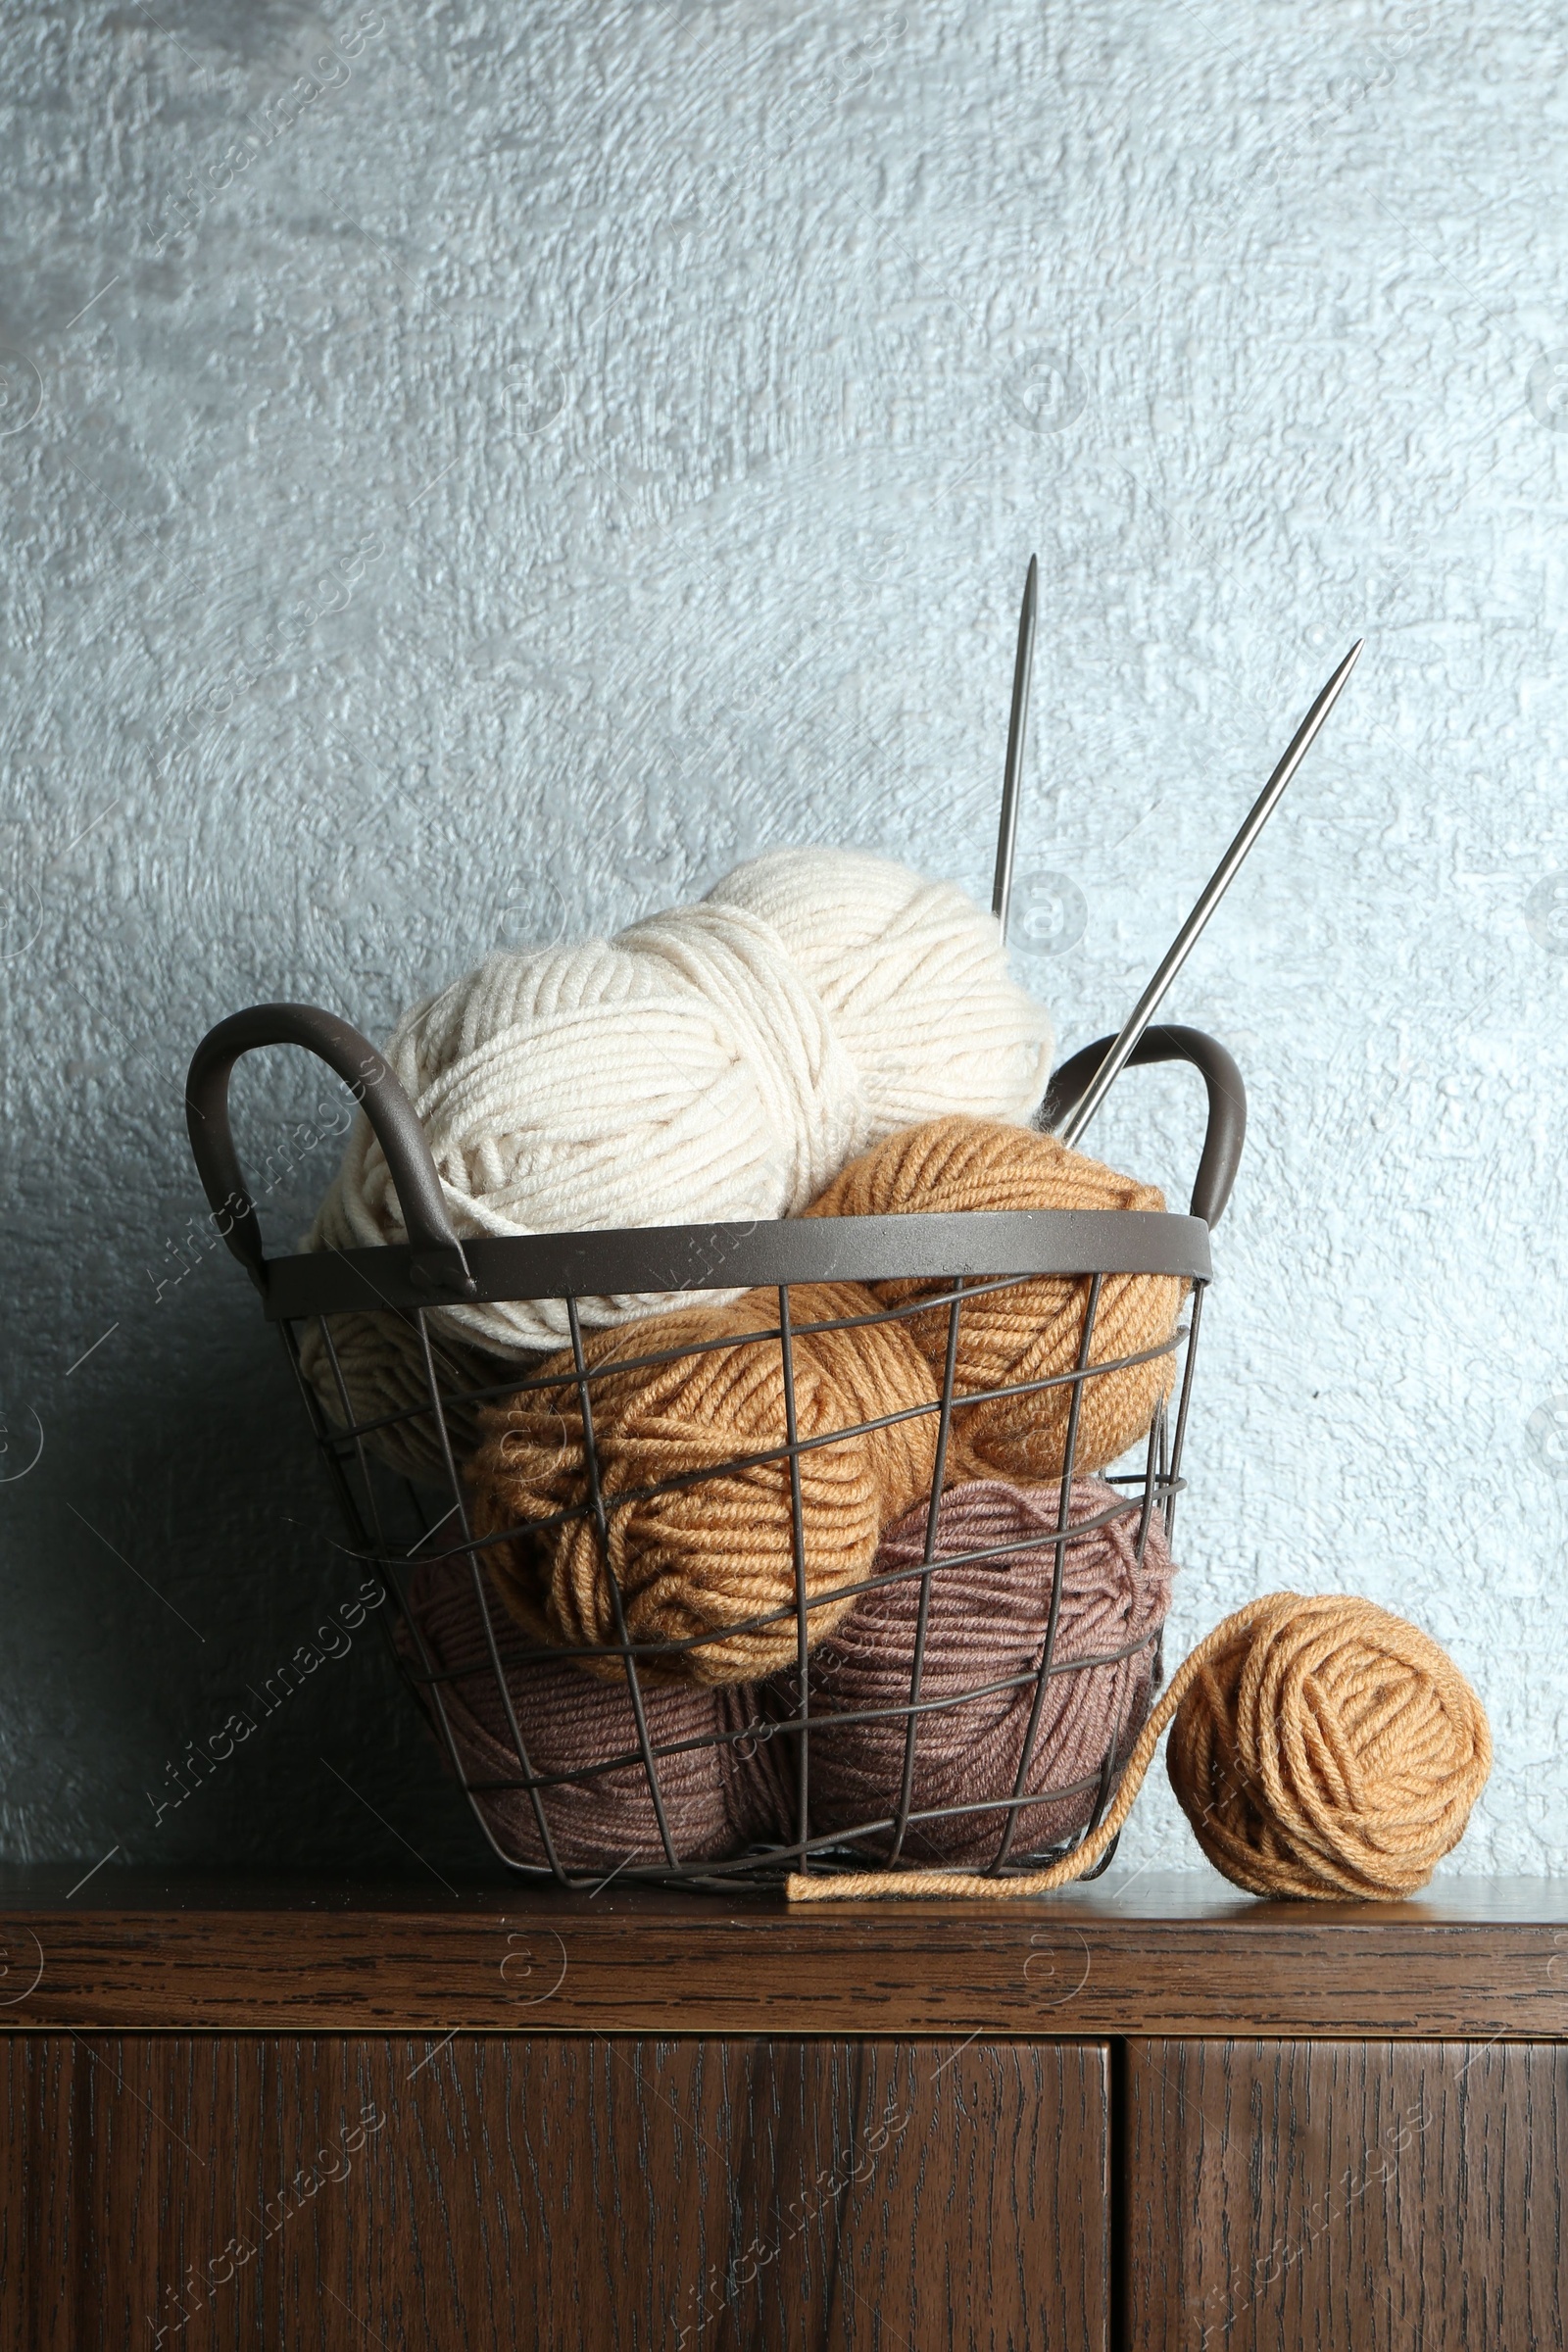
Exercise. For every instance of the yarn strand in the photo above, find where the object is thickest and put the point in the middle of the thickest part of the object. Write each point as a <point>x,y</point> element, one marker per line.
<point>1323,1748</point>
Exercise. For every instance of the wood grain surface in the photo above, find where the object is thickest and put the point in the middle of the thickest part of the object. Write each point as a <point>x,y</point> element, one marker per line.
<point>689,2196</point>
<point>1148,1956</point>
<point>1290,2196</point>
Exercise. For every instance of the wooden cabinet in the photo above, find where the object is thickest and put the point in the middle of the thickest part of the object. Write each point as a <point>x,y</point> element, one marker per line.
<point>496,2192</point>
<point>1138,2115</point>
<point>1372,2194</point>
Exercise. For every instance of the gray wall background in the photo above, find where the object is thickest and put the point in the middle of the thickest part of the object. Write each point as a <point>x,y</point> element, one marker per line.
<point>579,446</point>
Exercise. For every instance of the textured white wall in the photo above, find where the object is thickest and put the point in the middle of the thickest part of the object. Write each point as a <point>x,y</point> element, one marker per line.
<point>656,408</point>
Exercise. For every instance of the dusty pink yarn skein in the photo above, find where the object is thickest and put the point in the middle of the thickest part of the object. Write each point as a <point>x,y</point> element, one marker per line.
<point>714,1797</point>
<point>987,1623</point>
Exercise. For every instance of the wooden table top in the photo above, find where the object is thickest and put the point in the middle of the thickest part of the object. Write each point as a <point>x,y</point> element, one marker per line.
<point>1139,1953</point>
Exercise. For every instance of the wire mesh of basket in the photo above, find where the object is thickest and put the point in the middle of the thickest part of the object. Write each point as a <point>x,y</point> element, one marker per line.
<point>475,1668</point>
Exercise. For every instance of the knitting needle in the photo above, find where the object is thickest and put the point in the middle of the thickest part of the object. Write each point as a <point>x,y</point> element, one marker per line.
<point>1017,728</point>
<point>1218,884</point>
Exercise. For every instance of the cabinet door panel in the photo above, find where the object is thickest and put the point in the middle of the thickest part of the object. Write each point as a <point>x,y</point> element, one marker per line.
<point>1394,2196</point>
<point>684,2195</point>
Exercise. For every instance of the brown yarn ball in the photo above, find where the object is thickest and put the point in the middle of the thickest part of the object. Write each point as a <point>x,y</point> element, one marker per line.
<point>987,1624</point>
<point>703,1557</point>
<point>1031,1330</point>
<point>1322,1748</point>
<point>714,1797</point>
<point>1327,1748</point>
<point>382,1366</point>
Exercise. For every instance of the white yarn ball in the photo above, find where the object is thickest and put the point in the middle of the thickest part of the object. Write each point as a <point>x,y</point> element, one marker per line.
<point>915,977</point>
<point>716,1063</point>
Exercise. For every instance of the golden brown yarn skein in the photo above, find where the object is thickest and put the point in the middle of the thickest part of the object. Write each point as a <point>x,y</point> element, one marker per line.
<point>1321,1748</point>
<point>703,1557</point>
<point>1031,1330</point>
<point>382,1366</point>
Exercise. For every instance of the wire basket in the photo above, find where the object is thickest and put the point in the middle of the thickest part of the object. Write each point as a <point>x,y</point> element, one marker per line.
<point>413,1535</point>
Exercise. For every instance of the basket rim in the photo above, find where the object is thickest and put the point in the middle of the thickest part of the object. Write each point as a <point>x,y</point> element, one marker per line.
<point>766,1253</point>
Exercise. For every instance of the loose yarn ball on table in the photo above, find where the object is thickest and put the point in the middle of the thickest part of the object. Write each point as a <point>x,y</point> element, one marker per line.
<point>599,1810</point>
<point>1322,1748</point>
<point>1031,1330</point>
<point>705,1065</point>
<point>1326,1748</point>
<point>697,1548</point>
<point>985,1639</point>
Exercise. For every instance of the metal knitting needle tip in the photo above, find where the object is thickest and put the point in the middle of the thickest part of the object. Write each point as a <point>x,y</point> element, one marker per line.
<point>1214,890</point>
<point>1017,728</point>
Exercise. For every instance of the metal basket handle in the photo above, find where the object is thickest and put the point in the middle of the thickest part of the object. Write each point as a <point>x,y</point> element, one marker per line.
<point>1227,1102</point>
<point>437,1263</point>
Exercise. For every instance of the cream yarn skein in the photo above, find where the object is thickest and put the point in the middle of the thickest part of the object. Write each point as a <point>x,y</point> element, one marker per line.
<point>716,1063</point>
<point>680,1072</point>
<point>914,978</point>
